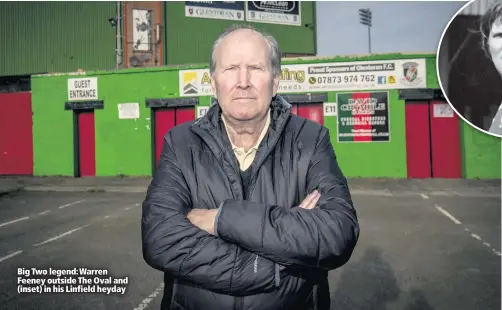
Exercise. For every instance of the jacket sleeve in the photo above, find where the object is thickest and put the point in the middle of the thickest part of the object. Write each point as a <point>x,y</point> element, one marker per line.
<point>323,237</point>
<point>172,244</point>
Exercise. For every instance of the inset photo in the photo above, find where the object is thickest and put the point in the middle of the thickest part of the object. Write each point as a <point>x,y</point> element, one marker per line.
<point>469,64</point>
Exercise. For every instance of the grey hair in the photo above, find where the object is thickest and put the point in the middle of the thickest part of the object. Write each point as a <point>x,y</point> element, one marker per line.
<point>492,16</point>
<point>275,53</point>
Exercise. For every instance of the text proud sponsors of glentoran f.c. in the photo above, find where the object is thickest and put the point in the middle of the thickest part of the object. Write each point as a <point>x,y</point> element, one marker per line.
<point>76,280</point>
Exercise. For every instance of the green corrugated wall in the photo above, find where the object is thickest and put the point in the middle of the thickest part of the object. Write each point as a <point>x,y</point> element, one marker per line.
<point>39,37</point>
<point>63,36</point>
<point>188,40</point>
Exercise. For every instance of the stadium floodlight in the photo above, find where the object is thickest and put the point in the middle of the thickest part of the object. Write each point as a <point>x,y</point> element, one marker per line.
<point>365,18</point>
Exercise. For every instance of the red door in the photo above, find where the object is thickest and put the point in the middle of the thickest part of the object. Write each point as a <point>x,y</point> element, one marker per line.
<point>312,112</point>
<point>165,120</point>
<point>86,144</point>
<point>418,150</point>
<point>16,138</point>
<point>445,141</point>
<point>185,115</point>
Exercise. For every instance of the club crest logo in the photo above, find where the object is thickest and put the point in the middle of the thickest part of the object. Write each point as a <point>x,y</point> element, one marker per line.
<point>410,74</point>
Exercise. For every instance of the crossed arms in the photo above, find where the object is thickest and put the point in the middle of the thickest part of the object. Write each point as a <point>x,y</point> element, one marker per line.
<point>252,238</point>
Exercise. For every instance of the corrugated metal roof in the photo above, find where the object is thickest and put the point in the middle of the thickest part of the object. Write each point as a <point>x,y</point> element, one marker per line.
<point>45,36</point>
<point>478,7</point>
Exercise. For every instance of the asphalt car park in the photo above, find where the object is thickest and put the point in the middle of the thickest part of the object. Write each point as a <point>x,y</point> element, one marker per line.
<point>417,250</point>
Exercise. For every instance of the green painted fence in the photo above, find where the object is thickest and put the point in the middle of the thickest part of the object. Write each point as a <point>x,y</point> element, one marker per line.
<point>123,146</point>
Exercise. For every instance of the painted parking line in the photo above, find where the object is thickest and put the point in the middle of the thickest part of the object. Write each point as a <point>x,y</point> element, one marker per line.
<point>71,204</point>
<point>144,304</point>
<point>15,221</point>
<point>41,213</point>
<point>61,235</point>
<point>473,235</point>
<point>10,255</point>
<point>448,215</point>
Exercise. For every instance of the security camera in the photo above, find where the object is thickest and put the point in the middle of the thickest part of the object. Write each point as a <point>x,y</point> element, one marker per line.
<point>112,21</point>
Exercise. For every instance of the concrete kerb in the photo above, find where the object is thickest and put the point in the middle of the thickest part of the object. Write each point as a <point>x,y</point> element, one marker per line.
<point>115,189</point>
<point>9,191</point>
<point>358,186</point>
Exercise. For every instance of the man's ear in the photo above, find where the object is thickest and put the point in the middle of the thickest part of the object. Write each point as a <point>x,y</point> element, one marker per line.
<point>276,81</point>
<point>213,86</point>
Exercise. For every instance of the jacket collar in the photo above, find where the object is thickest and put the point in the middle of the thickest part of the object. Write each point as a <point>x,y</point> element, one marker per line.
<point>211,130</point>
<point>210,123</point>
<point>279,107</point>
<point>260,138</point>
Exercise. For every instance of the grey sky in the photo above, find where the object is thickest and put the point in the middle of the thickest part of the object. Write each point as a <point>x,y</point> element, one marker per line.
<point>398,27</point>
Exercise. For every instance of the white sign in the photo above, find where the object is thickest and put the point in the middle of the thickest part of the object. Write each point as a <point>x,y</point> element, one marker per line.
<point>274,12</point>
<point>334,76</point>
<point>443,110</point>
<point>201,111</point>
<point>329,109</point>
<point>83,89</point>
<point>229,10</point>
<point>348,76</point>
<point>128,110</point>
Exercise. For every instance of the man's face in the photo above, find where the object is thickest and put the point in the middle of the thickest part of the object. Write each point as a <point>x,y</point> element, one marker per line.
<point>243,80</point>
<point>495,45</point>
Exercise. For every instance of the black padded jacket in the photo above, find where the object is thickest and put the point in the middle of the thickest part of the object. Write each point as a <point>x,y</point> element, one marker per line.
<point>268,253</point>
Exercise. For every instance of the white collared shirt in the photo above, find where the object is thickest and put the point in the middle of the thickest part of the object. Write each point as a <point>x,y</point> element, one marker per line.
<point>246,158</point>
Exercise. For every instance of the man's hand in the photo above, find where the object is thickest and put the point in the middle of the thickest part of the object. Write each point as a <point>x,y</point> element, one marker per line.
<point>204,219</point>
<point>311,200</point>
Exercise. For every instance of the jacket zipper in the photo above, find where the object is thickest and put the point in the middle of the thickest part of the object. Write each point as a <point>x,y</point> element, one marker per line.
<point>252,177</point>
<point>239,301</point>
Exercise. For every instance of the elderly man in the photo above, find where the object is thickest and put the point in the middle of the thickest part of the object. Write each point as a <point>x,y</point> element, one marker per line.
<point>491,36</point>
<point>248,208</point>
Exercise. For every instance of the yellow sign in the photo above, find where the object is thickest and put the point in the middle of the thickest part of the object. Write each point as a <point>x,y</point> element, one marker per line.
<point>195,83</point>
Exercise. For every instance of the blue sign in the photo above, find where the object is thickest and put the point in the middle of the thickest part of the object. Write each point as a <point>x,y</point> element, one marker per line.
<point>382,80</point>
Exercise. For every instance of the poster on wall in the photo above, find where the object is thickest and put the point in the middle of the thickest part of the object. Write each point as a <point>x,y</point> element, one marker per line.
<point>128,110</point>
<point>228,10</point>
<point>363,117</point>
<point>141,30</point>
<point>274,12</point>
<point>83,89</point>
<point>322,77</point>
<point>443,110</point>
